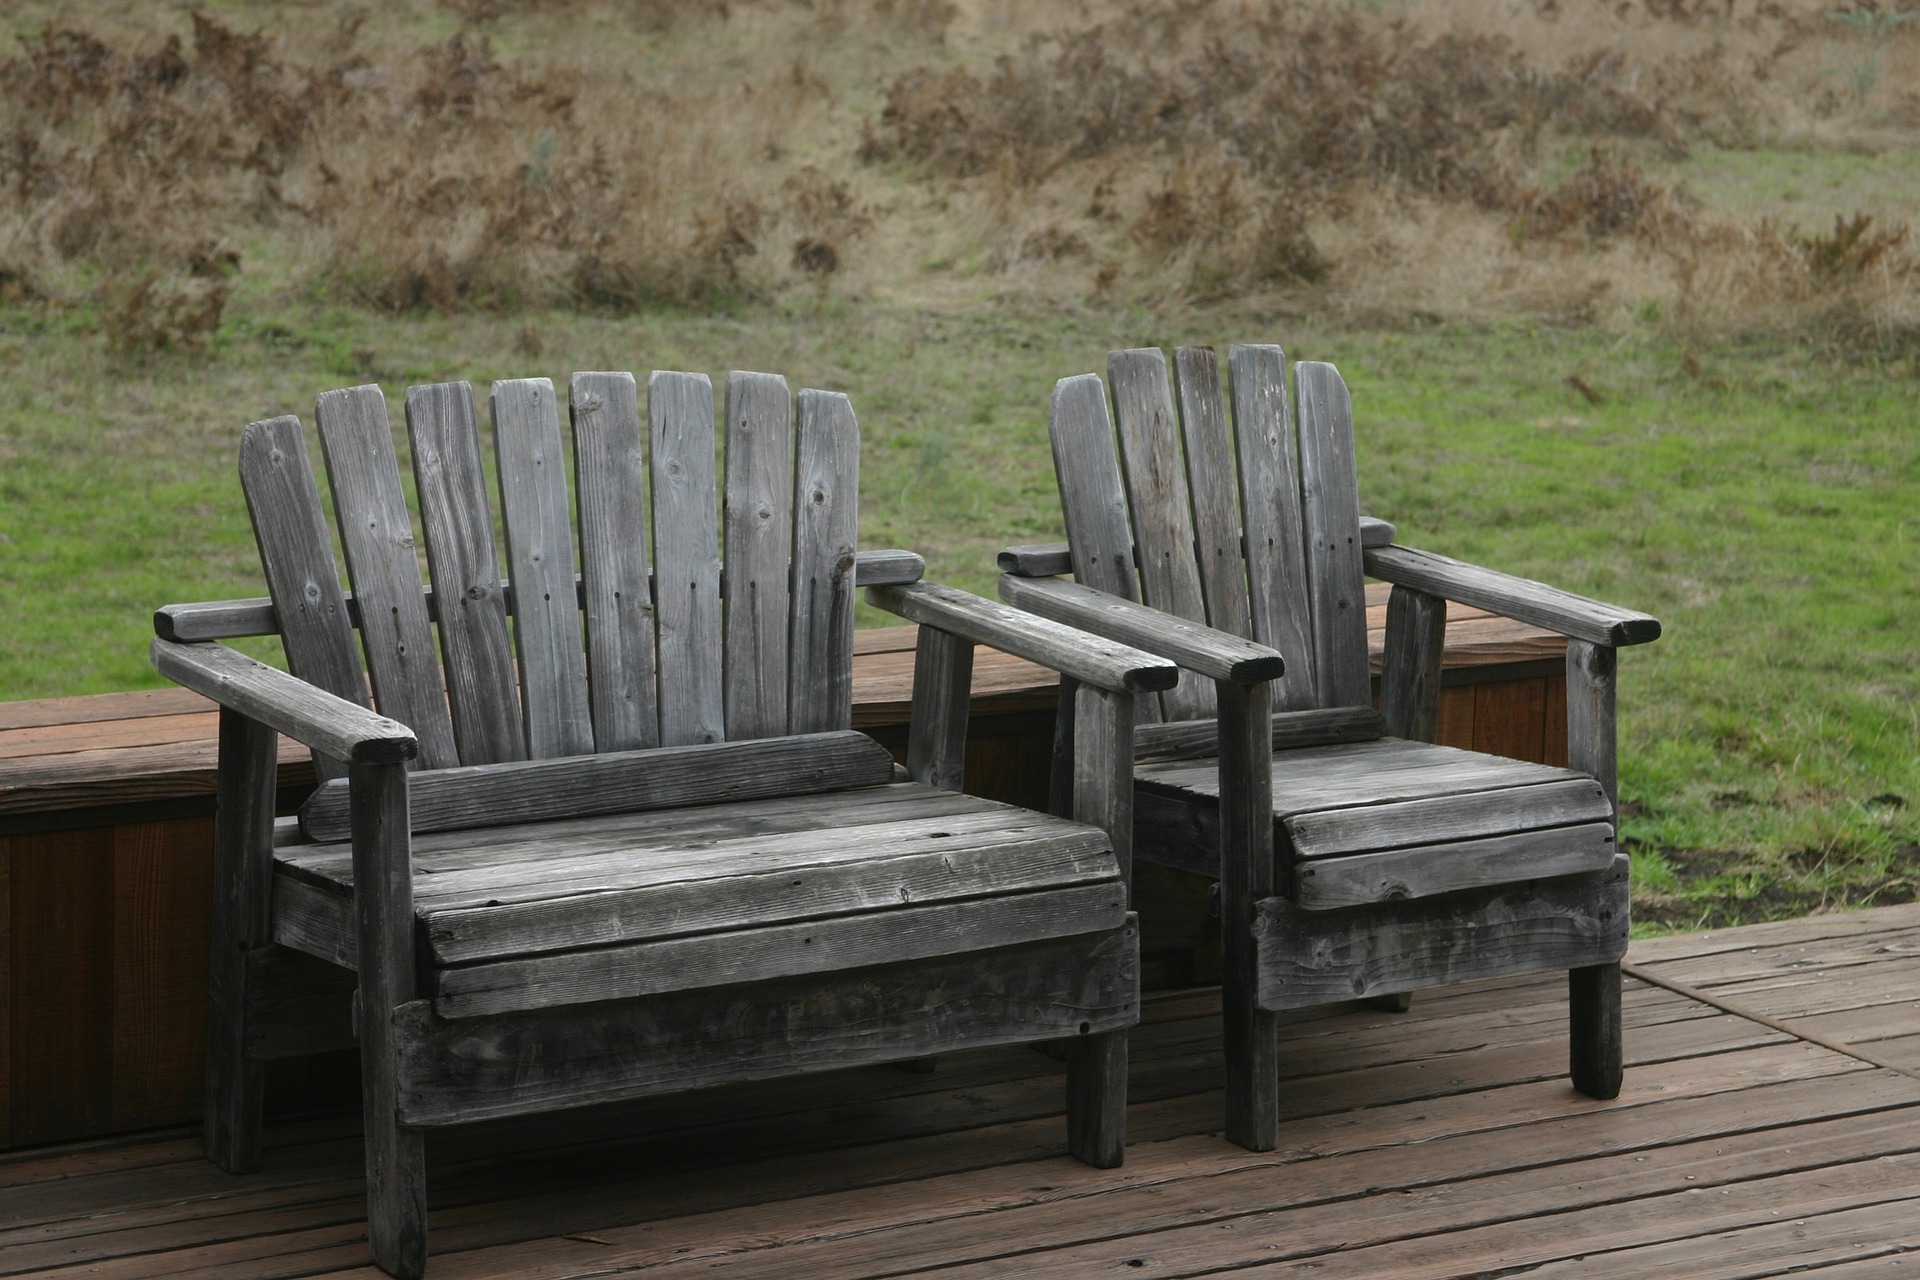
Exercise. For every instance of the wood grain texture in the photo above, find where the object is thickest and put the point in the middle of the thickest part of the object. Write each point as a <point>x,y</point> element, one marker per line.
<point>1192,739</point>
<point>338,729</point>
<point>1270,508</point>
<point>937,735</point>
<point>757,955</point>
<point>620,782</point>
<point>457,519</point>
<point>161,871</point>
<point>610,475</point>
<point>1577,617</point>
<point>1596,1048</point>
<point>1428,870</point>
<point>1331,517</point>
<point>1211,478</point>
<point>283,502</point>
<point>1309,958</point>
<point>61,972</point>
<point>1093,498</point>
<point>539,526</point>
<point>686,551</point>
<point>758,582</point>
<point>1087,658</point>
<point>826,520</point>
<point>484,1068</point>
<point>376,532</point>
<point>1410,668</point>
<point>1160,505</point>
<point>1592,743</point>
<point>1364,827</point>
<point>1198,648</point>
<point>1250,1036</point>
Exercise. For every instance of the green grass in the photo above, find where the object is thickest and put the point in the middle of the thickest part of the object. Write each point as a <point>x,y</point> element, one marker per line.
<point>1759,501</point>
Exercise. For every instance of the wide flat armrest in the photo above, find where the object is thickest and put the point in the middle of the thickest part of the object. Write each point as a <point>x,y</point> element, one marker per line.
<point>1217,655</point>
<point>329,724</point>
<point>1050,559</point>
<point>1087,658</point>
<point>1521,599</point>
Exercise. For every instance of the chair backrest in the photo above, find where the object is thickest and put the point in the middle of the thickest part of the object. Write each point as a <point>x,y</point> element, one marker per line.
<point>652,644</point>
<point>1249,524</point>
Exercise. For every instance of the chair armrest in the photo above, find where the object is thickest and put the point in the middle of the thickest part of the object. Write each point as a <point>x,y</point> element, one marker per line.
<point>1087,658</point>
<point>1050,559</point>
<point>1521,599</point>
<point>1217,655</point>
<point>287,704</point>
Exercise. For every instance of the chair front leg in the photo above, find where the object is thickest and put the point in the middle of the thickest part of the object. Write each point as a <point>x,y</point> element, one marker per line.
<point>1103,797</point>
<point>242,921</point>
<point>383,902</point>
<point>1595,1051</point>
<point>1250,1034</point>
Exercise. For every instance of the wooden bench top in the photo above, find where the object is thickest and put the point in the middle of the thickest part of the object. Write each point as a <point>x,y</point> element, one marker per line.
<point>60,754</point>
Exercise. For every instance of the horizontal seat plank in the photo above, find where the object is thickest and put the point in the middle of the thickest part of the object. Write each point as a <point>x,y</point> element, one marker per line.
<point>1366,827</point>
<point>757,955</point>
<point>858,881</point>
<point>1314,957</point>
<point>1428,870</point>
<point>619,781</point>
<point>454,1072</point>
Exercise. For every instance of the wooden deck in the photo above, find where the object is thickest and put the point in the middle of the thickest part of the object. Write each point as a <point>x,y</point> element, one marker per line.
<point>1770,1123</point>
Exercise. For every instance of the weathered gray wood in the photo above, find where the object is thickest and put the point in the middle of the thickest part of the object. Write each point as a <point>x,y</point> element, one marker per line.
<point>1427,870</point>
<point>283,503</point>
<point>1591,738</point>
<point>1250,1033</point>
<point>454,1072</point>
<point>1037,560</point>
<point>1102,798</point>
<point>1596,1050</point>
<point>1410,670</point>
<point>1092,497</point>
<point>759,544</point>
<point>626,781</point>
<point>942,689</point>
<point>1087,658</point>
<point>1161,507</point>
<point>376,532</point>
<point>1198,648</point>
<point>1375,532</point>
<point>757,955</point>
<point>1309,958</point>
<point>539,525</point>
<point>314,922</point>
<point>1523,599</point>
<point>890,568</point>
<point>383,889</point>
<point>616,584</point>
<point>331,725</point>
<point>296,1004</point>
<point>1331,516</point>
<point>826,505</point>
<point>686,553</point>
<point>1448,816</point>
<point>1210,477</point>
<point>1270,509</point>
<point>458,522</point>
<point>1060,758</point>
<point>1190,739</point>
<point>242,876</point>
<point>920,866</point>
<point>1097,1096</point>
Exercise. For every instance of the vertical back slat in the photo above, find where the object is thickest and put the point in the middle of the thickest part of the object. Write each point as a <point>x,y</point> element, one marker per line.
<point>1331,505</point>
<point>1270,509</point>
<point>284,504</point>
<point>458,523</point>
<point>826,520</point>
<point>686,552</point>
<point>759,541</point>
<point>1162,510</point>
<point>1210,476</point>
<point>1093,499</point>
<point>377,533</point>
<point>546,608</point>
<point>611,476</point>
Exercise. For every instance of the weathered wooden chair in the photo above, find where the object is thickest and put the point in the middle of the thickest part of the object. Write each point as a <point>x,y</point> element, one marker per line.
<point>567,873</point>
<point>1355,858</point>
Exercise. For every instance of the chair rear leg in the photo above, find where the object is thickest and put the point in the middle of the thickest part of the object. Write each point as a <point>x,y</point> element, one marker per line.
<point>1595,1051</point>
<point>1097,1098</point>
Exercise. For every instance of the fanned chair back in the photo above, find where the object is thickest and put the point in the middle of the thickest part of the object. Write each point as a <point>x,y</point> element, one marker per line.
<point>1249,524</point>
<point>642,650</point>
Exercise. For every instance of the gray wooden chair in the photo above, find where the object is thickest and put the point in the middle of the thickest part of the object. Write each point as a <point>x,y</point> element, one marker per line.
<point>613,836</point>
<point>1354,857</point>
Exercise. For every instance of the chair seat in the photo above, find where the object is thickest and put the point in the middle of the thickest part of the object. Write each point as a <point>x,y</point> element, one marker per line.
<point>554,913</point>
<point>1378,821</point>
